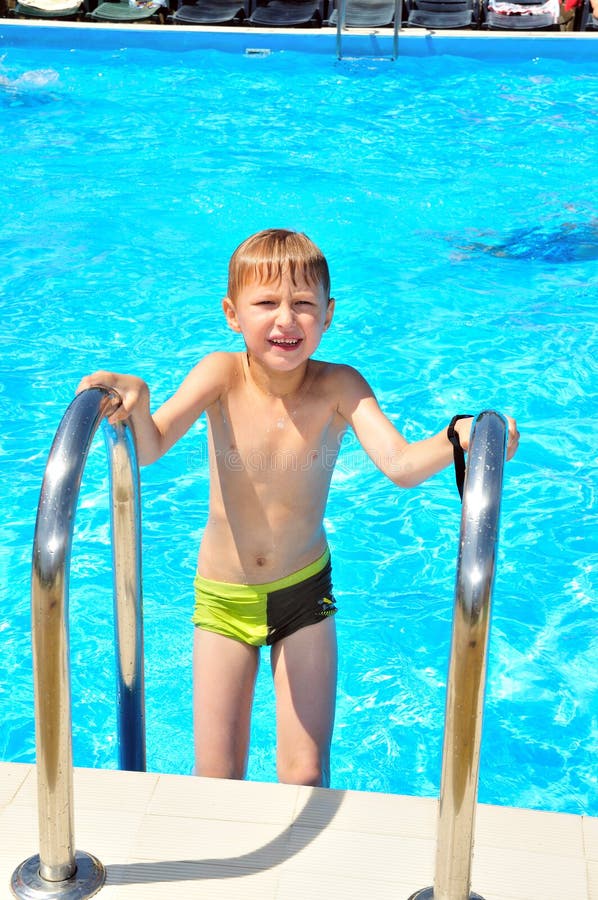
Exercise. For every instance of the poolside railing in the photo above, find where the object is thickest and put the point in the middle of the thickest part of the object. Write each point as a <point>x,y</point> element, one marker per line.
<point>59,870</point>
<point>476,565</point>
<point>341,25</point>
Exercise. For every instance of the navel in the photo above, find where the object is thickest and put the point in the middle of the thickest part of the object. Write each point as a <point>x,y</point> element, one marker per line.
<point>260,560</point>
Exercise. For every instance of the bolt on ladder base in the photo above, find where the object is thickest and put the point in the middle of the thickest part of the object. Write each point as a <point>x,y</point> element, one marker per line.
<point>28,884</point>
<point>428,894</point>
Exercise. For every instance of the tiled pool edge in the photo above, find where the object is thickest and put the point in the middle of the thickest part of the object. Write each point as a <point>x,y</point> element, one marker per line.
<point>169,835</point>
<point>372,43</point>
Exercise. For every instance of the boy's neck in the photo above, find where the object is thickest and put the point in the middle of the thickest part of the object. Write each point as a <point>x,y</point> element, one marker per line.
<point>276,384</point>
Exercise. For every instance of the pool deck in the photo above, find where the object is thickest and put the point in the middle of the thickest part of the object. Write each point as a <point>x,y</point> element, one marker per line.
<point>162,836</point>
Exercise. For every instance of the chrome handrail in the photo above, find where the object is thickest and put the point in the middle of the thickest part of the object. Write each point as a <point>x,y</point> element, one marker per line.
<point>476,567</point>
<point>59,871</point>
<point>396,28</point>
<point>341,19</point>
<point>126,551</point>
<point>341,15</point>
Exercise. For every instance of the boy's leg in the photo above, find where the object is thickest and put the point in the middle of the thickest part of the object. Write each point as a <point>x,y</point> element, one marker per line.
<point>304,665</point>
<point>224,673</point>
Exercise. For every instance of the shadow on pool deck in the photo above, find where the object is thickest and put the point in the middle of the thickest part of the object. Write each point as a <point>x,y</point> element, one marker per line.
<point>274,853</point>
<point>162,836</point>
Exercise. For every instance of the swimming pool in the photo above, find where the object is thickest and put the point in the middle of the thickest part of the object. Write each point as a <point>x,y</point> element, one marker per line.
<point>455,200</point>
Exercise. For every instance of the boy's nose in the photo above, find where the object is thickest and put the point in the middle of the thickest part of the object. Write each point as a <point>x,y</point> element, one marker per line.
<point>284,314</point>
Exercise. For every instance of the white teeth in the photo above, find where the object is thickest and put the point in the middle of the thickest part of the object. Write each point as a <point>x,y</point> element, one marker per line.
<point>290,342</point>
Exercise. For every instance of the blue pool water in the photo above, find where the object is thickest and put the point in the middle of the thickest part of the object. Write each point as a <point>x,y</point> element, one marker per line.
<point>456,201</point>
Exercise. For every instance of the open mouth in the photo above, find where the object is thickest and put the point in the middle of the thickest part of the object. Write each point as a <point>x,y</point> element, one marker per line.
<point>285,343</point>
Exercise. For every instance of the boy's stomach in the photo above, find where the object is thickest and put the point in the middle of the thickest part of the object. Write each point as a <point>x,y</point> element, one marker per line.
<point>258,552</point>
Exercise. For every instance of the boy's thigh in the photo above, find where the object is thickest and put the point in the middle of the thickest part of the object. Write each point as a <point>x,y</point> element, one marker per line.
<point>224,669</point>
<point>304,665</point>
<point>223,686</point>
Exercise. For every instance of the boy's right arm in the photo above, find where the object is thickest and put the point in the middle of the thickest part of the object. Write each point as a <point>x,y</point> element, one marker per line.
<point>156,434</point>
<point>406,464</point>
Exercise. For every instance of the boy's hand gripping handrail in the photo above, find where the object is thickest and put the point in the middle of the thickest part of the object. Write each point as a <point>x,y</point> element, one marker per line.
<point>41,876</point>
<point>476,565</point>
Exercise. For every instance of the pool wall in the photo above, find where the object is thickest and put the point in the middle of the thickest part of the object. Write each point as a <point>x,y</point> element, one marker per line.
<point>355,43</point>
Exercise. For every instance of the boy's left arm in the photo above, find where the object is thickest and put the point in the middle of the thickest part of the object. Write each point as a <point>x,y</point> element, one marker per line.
<point>406,464</point>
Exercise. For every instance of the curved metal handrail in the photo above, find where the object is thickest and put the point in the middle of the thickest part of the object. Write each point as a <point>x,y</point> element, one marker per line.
<point>128,619</point>
<point>341,25</point>
<point>476,566</point>
<point>57,862</point>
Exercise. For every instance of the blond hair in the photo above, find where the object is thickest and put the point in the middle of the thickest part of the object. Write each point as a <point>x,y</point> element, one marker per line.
<point>266,255</point>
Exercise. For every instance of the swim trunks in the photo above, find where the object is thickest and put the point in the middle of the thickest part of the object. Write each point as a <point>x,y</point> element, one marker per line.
<point>262,614</point>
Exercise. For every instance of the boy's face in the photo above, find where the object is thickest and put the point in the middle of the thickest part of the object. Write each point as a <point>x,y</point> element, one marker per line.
<point>281,321</point>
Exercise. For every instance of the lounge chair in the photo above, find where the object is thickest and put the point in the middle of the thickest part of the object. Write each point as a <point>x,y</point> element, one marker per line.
<point>128,11</point>
<point>210,12</point>
<point>365,13</point>
<point>49,9</point>
<point>442,13</point>
<point>287,13</point>
<point>532,15</point>
<point>588,21</point>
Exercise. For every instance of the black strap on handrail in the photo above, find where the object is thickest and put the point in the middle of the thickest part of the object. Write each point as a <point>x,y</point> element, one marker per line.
<point>458,452</point>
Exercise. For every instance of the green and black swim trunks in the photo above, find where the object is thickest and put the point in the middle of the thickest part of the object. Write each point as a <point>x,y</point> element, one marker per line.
<point>259,614</point>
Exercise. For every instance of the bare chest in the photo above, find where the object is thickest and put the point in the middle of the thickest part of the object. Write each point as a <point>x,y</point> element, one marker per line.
<point>274,434</point>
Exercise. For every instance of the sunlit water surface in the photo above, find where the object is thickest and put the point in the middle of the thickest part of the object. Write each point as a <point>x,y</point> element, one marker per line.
<point>456,202</point>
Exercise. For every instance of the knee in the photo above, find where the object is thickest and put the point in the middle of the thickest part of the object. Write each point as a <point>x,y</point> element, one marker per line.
<point>314,773</point>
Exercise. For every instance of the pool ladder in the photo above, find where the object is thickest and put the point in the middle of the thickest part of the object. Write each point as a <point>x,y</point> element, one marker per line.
<point>341,27</point>
<point>59,872</point>
<point>476,564</point>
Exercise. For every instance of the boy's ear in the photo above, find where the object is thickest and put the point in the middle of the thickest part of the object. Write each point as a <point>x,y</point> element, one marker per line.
<point>329,313</point>
<point>231,314</point>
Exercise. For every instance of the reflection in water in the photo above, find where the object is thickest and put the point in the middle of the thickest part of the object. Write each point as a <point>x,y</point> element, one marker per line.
<point>570,242</point>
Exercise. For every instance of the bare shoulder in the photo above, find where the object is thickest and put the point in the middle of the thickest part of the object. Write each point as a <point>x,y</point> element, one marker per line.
<point>336,373</point>
<point>214,374</point>
<point>203,386</point>
<point>218,363</point>
<point>345,383</point>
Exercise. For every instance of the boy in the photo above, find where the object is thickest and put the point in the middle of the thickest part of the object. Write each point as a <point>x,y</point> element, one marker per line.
<point>276,419</point>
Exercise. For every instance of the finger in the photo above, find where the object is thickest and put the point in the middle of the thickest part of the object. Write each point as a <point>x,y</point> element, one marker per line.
<point>128,400</point>
<point>119,414</point>
<point>83,385</point>
<point>96,379</point>
<point>513,439</point>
